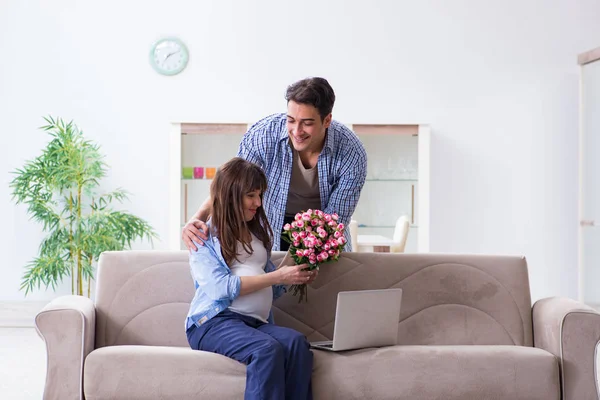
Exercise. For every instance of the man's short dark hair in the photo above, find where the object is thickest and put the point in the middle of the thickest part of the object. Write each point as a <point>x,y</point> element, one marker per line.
<point>313,91</point>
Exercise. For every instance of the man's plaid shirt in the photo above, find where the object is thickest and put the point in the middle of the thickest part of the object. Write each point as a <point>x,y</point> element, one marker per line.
<point>342,169</point>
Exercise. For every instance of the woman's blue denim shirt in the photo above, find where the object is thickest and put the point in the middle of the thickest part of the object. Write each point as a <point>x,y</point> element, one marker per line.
<point>216,287</point>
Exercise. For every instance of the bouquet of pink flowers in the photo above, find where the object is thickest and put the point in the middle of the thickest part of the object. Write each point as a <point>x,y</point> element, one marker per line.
<point>315,238</point>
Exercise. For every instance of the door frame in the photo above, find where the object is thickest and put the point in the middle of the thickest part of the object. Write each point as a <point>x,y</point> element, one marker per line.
<point>583,59</point>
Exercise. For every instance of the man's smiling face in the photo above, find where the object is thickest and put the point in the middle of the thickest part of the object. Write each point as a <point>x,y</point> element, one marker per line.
<point>305,128</point>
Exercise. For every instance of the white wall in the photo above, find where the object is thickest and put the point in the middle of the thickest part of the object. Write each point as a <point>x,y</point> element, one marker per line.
<point>497,81</point>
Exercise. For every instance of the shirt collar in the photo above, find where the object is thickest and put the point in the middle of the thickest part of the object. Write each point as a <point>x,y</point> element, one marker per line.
<point>283,135</point>
<point>329,139</point>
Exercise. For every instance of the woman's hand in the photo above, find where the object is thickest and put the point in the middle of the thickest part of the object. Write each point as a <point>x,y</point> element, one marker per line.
<point>294,275</point>
<point>314,273</point>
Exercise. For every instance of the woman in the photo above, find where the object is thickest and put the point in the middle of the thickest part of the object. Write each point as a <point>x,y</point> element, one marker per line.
<point>236,283</point>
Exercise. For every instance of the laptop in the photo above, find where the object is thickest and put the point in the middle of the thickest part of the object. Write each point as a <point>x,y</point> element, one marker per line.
<point>364,318</point>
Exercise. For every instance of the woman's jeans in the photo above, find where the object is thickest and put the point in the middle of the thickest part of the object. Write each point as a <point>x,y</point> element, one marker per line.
<point>279,361</point>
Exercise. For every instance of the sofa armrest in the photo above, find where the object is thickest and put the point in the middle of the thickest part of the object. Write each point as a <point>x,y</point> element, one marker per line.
<point>571,331</point>
<point>68,326</point>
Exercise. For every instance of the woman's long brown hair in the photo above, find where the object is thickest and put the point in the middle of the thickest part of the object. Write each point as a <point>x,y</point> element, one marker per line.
<point>232,182</point>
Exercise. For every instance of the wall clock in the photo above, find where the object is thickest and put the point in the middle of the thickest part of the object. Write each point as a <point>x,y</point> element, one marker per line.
<point>169,56</point>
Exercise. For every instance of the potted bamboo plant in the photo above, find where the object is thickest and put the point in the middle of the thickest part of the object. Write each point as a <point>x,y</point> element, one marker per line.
<point>59,188</point>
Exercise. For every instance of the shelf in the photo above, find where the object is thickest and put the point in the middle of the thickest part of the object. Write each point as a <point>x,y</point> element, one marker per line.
<point>364,226</point>
<point>211,129</point>
<point>378,129</point>
<point>391,180</point>
<point>367,180</point>
<point>382,226</point>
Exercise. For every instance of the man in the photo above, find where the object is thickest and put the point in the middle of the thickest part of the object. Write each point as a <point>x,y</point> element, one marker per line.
<point>310,160</point>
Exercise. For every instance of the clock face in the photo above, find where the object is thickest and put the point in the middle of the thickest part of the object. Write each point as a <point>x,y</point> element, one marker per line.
<point>169,56</point>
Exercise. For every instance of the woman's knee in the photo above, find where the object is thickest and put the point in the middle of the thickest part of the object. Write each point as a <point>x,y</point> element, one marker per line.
<point>269,348</point>
<point>296,340</point>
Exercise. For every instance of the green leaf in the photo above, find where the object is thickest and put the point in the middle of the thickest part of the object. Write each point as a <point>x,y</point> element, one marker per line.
<point>59,189</point>
<point>46,270</point>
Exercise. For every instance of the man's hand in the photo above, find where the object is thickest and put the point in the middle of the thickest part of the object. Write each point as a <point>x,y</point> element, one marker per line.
<point>296,275</point>
<point>192,230</point>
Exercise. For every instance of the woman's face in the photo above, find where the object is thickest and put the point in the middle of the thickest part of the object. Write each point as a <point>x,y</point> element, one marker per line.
<point>251,204</point>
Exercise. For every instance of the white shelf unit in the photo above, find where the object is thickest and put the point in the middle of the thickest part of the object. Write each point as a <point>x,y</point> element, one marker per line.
<point>397,181</point>
<point>203,145</point>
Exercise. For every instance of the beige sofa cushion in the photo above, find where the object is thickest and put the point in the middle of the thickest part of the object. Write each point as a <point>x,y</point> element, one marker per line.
<point>156,372</point>
<point>400,372</point>
<point>438,372</point>
<point>447,299</point>
<point>143,297</point>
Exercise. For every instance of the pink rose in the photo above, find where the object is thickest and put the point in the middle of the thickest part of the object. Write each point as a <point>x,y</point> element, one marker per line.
<point>299,253</point>
<point>326,246</point>
<point>334,216</point>
<point>341,240</point>
<point>287,227</point>
<point>298,217</point>
<point>299,224</point>
<point>331,223</point>
<point>306,217</point>
<point>340,227</point>
<point>327,217</point>
<point>296,243</point>
<point>337,234</point>
<point>314,222</point>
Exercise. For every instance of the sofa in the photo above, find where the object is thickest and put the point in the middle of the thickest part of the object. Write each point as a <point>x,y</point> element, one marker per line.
<point>467,330</point>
